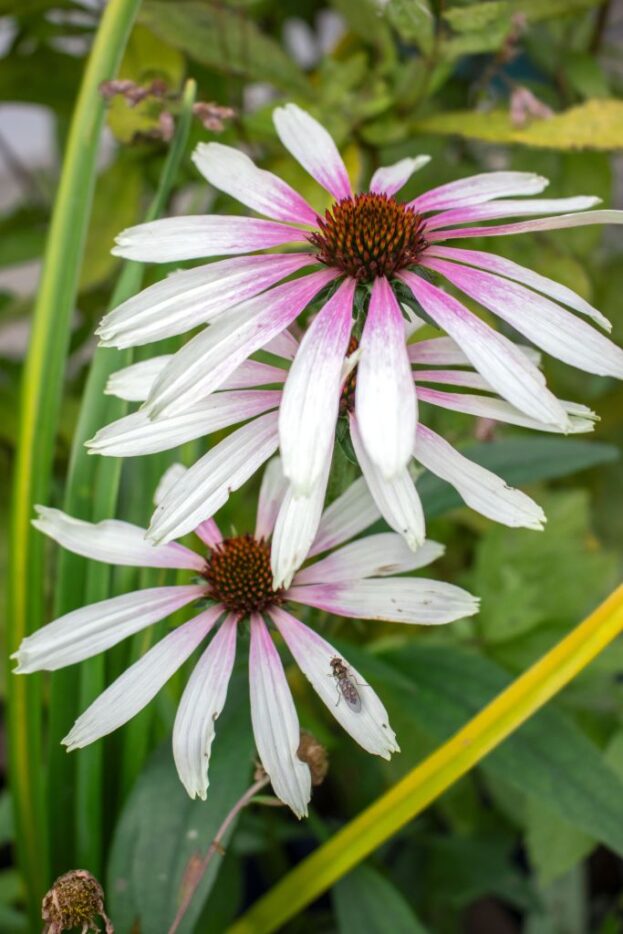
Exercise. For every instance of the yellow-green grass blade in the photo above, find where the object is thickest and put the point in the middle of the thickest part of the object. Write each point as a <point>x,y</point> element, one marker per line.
<point>424,784</point>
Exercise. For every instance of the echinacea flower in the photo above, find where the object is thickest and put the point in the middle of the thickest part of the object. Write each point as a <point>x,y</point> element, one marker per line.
<point>235,582</point>
<point>374,253</point>
<point>435,363</point>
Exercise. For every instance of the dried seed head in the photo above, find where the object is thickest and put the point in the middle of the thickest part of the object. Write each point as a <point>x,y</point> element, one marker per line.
<point>240,577</point>
<point>75,900</point>
<point>315,755</point>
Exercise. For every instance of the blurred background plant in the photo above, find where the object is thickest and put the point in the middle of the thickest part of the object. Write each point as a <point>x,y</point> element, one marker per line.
<point>533,839</point>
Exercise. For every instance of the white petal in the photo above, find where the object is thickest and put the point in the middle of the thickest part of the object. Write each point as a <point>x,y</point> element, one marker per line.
<point>373,556</point>
<point>394,599</point>
<point>385,395</point>
<point>206,361</point>
<point>551,327</point>
<point>233,172</point>
<point>506,368</point>
<point>369,726</point>
<point>272,491</point>
<point>397,499</point>
<point>209,533</point>
<point>171,239</point>
<point>93,629</point>
<point>113,541</point>
<point>275,723</point>
<point>347,516</point>
<point>207,484</point>
<point>466,378</point>
<point>481,489</point>
<point>542,223</point>
<point>495,209</point>
<point>311,145</point>
<point>390,178</point>
<point>169,478</point>
<point>506,267</point>
<point>133,383</point>
<point>138,434</point>
<point>444,351</point>
<point>192,297</point>
<point>311,395</point>
<point>478,188</point>
<point>201,704</point>
<point>141,682</point>
<point>283,345</point>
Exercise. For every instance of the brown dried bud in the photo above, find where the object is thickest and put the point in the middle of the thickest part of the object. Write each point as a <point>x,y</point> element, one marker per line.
<point>212,115</point>
<point>315,755</point>
<point>75,901</point>
<point>525,106</point>
<point>109,89</point>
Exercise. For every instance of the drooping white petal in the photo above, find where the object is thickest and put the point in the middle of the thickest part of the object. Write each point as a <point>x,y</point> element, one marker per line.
<point>138,434</point>
<point>469,379</point>
<point>311,395</point>
<point>506,368</point>
<point>167,481</point>
<point>231,171</point>
<point>201,705</point>
<point>580,418</point>
<point>542,223</point>
<point>394,599</point>
<point>311,145</point>
<point>206,361</point>
<point>137,686</point>
<point>171,239</point>
<point>551,327</point>
<point>347,516</point>
<point>191,297</point>
<point>495,209</point>
<point>93,629</point>
<point>390,178</point>
<point>275,722</point>
<point>374,556</point>
<point>368,726</point>
<point>481,489</point>
<point>397,499</point>
<point>272,491</point>
<point>207,484</point>
<point>506,267</point>
<point>475,189</point>
<point>113,541</point>
<point>385,399</point>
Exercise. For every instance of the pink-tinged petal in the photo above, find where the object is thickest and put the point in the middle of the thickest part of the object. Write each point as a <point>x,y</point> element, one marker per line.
<point>443,351</point>
<point>580,418</point>
<point>374,556</point>
<point>311,145</point>
<point>172,239</point>
<point>347,516</point>
<point>481,489</point>
<point>233,172</point>
<point>467,378</point>
<point>254,373</point>
<point>272,491</point>
<point>169,478</point>
<point>475,189</point>
<point>209,533</point>
<point>283,345</point>
<point>311,395</point>
<point>275,723</point>
<point>206,486</point>
<point>113,541</point>
<point>95,628</point>
<point>390,178</point>
<point>394,599</point>
<point>546,324</point>
<point>369,725</point>
<point>141,682</point>
<point>506,267</point>
<point>397,499</point>
<point>493,355</point>
<point>495,209</point>
<point>542,223</point>
<point>201,704</point>
<point>138,434</point>
<point>205,362</point>
<point>192,297</point>
<point>385,399</point>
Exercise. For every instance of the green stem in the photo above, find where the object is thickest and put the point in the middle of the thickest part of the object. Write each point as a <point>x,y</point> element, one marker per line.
<point>40,404</point>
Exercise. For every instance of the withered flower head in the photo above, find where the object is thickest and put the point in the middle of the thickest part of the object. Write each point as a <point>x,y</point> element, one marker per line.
<point>75,901</point>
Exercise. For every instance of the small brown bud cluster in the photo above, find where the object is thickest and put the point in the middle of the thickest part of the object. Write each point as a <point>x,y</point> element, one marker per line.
<point>75,900</point>
<point>315,755</point>
<point>132,92</point>
<point>212,115</point>
<point>525,107</point>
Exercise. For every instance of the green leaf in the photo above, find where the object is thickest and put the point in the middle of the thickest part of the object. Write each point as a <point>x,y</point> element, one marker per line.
<point>223,39</point>
<point>596,124</point>
<point>479,16</point>
<point>518,461</point>
<point>22,234</point>
<point>161,829</point>
<point>365,900</point>
<point>413,21</point>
